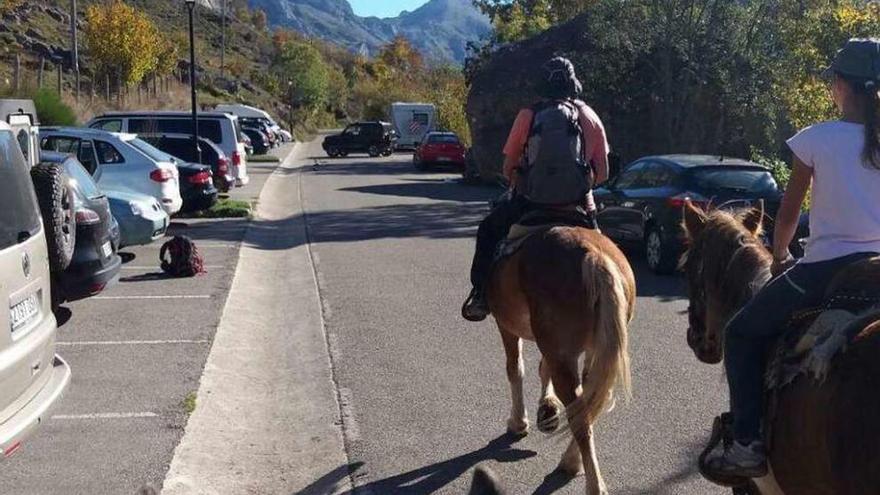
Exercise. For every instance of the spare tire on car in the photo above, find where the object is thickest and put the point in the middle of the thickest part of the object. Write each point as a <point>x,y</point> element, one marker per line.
<point>55,197</point>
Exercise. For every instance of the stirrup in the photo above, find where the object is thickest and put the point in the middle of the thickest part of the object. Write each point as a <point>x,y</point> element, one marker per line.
<point>467,309</point>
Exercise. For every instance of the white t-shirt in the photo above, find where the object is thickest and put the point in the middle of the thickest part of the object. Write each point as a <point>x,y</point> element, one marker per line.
<point>845,209</point>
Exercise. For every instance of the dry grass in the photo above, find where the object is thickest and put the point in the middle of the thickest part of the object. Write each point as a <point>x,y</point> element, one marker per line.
<point>177,98</point>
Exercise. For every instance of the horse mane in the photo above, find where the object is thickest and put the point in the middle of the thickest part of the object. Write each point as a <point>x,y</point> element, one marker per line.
<point>735,262</point>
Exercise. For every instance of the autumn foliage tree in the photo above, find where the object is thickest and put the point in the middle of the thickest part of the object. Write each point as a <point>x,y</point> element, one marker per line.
<point>125,43</point>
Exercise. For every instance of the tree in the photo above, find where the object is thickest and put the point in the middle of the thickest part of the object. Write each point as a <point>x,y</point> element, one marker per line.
<point>260,20</point>
<point>123,41</point>
<point>300,63</point>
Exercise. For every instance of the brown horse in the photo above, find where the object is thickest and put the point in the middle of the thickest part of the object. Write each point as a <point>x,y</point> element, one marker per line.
<point>571,291</point>
<point>825,437</point>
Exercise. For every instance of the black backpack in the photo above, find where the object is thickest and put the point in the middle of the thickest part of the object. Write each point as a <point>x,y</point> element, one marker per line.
<point>183,258</point>
<point>554,171</point>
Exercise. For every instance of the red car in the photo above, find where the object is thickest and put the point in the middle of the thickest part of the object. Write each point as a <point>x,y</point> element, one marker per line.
<point>440,148</point>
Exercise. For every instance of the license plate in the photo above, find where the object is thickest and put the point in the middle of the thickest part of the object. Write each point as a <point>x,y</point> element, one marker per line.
<point>24,311</point>
<point>444,159</point>
<point>107,249</point>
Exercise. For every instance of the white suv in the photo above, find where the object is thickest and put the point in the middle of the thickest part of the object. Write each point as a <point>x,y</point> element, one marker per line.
<point>32,376</point>
<point>119,162</point>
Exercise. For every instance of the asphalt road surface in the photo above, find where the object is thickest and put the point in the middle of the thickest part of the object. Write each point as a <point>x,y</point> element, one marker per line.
<point>136,352</point>
<point>424,393</point>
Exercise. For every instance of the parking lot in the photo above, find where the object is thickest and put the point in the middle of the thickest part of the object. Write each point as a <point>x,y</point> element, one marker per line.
<point>137,352</point>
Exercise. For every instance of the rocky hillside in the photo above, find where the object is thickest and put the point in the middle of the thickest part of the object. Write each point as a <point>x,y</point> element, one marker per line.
<point>440,29</point>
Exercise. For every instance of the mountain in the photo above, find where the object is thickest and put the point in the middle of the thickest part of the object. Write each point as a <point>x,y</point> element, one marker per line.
<point>440,29</point>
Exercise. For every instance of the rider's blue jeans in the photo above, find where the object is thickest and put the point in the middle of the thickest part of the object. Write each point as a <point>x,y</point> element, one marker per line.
<point>757,326</point>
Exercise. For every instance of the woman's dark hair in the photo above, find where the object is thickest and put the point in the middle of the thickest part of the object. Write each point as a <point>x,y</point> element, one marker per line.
<point>867,92</point>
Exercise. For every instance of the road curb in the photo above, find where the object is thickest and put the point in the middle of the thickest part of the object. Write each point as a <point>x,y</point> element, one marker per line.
<point>267,416</point>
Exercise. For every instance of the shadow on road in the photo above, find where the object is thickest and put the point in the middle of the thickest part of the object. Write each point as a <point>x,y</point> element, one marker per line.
<point>430,478</point>
<point>436,189</point>
<point>329,166</point>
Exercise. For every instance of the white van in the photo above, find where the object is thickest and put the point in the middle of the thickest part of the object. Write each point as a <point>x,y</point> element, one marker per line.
<point>246,111</point>
<point>221,128</point>
<point>412,121</point>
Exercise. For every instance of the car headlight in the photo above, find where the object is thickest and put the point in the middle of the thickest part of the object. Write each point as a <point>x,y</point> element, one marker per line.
<point>136,210</point>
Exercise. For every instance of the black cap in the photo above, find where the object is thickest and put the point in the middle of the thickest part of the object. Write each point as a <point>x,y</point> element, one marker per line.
<point>559,79</point>
<point>859,59</point>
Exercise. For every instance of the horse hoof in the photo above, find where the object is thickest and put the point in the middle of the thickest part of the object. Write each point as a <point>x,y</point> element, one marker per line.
<point>549,417</point>
<point>518,427</point>
<point>571,470</point>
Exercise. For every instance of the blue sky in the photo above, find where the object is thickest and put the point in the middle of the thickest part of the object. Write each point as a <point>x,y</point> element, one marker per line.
<point>384,8</point>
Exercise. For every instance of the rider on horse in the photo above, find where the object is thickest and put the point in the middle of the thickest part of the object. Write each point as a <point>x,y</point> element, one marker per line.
<point>841,160</point>
<point>559,87</point>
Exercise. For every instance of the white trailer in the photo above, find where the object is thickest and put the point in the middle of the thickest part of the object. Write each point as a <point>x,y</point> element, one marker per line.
<point>412,121</point>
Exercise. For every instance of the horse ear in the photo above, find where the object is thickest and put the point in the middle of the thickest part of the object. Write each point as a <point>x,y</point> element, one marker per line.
<point>754,219</point>
<point>694,219</point>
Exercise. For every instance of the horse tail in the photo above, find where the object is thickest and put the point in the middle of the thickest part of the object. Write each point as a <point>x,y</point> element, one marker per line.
<point>604,284</point>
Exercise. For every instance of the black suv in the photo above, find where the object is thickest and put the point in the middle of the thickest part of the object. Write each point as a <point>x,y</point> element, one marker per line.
<point>644,202</point>
<point>374,138</point>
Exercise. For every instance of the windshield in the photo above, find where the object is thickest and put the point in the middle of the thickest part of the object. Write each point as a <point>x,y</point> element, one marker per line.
<point>19,216</point>
<point>739,180</point>
<point>443,138</point>
<point>149,150</point>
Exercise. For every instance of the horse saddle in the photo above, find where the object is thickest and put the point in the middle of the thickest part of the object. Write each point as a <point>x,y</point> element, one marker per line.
<point>815,336</point>
<point>539,221</point>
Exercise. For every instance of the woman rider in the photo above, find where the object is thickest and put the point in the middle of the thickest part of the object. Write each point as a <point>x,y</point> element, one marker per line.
<point>841,160</point>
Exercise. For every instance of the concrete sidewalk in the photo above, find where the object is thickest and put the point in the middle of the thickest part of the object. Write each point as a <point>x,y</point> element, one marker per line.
<point>267,419</point>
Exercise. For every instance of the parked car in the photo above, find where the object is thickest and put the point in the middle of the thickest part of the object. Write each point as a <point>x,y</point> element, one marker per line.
<point>32,377</point>
<point>644,202</point>
<point>141,218</point>
<point>263,126</point>
<point>95,264</point>
<point>181,147</point>
<point>373,138</point>
<point>118,162</point>
<point>259,140</point>
<point>440,148</point>
<point>223,129</point>
<point>245,111</point>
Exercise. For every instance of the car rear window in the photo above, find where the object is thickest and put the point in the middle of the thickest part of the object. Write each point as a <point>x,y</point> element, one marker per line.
<point>208,128</point>
<point>736,180</point>
<point>19,216</point>
<point>149,150</point>
<point>443,139</point>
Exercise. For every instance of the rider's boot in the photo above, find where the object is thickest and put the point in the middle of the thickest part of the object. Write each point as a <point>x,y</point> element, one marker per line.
<point>741,460</point>
<point>476,307</point>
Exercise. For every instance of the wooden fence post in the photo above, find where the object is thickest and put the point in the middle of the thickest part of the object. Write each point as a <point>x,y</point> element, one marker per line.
<point>40,74</point>
<point>107,86</point>
<point>17,74</point>
<point>58,65</point>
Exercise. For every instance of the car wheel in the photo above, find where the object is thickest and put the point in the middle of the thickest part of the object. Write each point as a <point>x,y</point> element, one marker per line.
<point>342,154</point>
<point>333,152</point>
<point>55,197</point>
<point>388,152</point>
<point>374,151</point>
<point>661,256</point>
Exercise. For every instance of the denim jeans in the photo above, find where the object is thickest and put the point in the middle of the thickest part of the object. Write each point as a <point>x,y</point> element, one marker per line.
<point>758,325</point>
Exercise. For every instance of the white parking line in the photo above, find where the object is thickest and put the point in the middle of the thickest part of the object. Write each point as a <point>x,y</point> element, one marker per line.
<point>117,298</point>
<point>106,416</point>
<point>132,342</point>
<point>128,267</point>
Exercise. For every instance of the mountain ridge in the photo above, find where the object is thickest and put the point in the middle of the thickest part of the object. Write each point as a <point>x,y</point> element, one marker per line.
<point>440,29</point>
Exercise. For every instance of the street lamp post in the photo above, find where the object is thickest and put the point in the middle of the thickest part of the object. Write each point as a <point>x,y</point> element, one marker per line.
<point>290,105</point>
<point>191,4</point>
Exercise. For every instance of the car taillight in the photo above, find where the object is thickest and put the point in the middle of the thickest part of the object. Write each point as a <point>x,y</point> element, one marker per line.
<point>236,158</point>
<point>85,216</point>
<point>161,175</point>
<point>203,177</point>
<point>679,200</point>
<point>223,165</point>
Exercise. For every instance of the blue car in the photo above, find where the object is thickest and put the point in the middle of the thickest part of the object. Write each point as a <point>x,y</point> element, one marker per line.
<point>141,218</point>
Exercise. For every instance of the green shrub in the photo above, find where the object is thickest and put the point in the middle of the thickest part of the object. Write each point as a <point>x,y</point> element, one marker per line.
<point>51,110</point>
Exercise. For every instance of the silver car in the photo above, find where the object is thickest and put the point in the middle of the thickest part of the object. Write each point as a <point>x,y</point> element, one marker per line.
<point>32,376</point>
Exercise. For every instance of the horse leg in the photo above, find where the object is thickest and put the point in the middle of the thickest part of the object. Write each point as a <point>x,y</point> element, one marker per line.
<point>518,423</point>
<point>567,382</point>
<point>549,407</point>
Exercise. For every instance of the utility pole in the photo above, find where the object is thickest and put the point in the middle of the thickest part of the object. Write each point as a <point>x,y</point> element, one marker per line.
<point>74,50</point>
<point>222,42</point>
<point>191,4</point>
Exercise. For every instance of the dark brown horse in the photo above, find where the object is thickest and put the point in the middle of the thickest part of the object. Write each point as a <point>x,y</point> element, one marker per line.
<point>825,436</point>
<point>571,291</point>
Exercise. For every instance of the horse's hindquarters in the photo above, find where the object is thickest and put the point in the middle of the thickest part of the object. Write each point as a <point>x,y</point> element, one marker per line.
<point>826,438</point>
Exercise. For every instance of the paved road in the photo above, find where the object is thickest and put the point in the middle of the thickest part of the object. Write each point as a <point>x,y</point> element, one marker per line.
<point>424,393</point>
<point>136,352</point>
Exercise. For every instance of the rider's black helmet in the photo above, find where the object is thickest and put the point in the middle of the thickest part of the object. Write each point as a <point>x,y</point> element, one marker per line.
<point>558,79</point>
